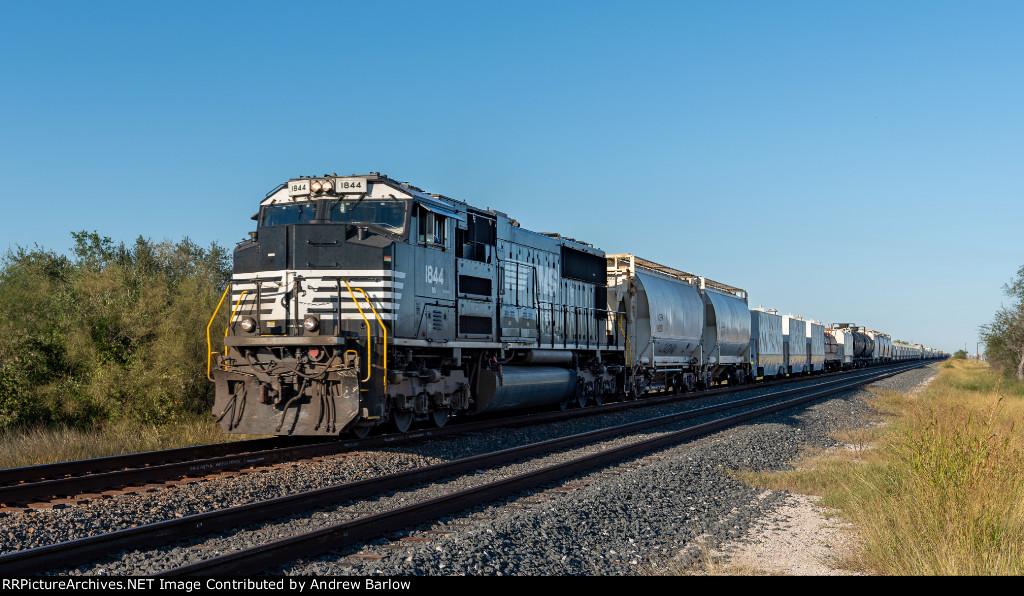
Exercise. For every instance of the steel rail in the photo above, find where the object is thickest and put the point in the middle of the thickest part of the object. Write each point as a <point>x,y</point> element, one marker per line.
<point>66,479</point>
<point>146,471</point>
<point>278,552</point>
<point>71,478</point>
<point>85,549</point>
<point>114,462</point>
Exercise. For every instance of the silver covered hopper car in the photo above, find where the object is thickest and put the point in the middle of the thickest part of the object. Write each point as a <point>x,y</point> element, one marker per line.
<point>682,330</point>
<point>794,338</point>
<point>766,350</point>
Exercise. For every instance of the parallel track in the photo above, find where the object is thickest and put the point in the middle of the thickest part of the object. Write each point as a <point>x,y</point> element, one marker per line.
<point>355,531</point>
<point>65,480</point>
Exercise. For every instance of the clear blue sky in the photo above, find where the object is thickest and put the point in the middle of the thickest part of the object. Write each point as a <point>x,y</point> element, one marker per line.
<point>857,161</point>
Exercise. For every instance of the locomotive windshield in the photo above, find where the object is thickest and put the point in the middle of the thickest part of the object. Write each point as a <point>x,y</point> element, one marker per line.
<point>386,213</point>
<point>280,215</point>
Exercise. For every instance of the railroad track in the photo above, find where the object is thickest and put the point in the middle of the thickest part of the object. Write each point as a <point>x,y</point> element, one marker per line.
<point>365,527</point>
<point>69,483</point>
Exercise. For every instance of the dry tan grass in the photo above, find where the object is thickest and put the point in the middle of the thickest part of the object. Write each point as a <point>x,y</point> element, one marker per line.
<point>940,491</point>
<point>48,445</point>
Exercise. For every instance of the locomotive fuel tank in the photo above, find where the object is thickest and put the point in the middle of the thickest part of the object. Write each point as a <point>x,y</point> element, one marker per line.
<point>518,387</point>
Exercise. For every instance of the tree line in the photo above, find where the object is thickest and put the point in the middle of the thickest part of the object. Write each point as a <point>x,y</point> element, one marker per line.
<point>107,332</point>
<point>1004,336</point>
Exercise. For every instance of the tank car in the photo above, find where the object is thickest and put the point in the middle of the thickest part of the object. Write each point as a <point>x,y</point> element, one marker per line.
<point>361,300</point>
<point>855,348</point>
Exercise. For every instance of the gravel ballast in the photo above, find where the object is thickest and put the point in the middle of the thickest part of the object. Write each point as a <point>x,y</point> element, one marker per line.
<point>631,518</point>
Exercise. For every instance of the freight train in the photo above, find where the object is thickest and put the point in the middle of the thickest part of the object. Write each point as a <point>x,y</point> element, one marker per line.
<point>361,301</point>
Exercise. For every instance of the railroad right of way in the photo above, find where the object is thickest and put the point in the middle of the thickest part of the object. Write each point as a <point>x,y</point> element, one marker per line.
<point>652,515</point>
<point>451,532</point>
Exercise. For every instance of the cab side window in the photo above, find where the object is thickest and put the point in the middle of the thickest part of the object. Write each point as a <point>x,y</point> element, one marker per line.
<point>433,228</point>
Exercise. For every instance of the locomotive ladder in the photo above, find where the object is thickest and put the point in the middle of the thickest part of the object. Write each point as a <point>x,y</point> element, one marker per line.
<point>384,332</point>
<point>234,311</point>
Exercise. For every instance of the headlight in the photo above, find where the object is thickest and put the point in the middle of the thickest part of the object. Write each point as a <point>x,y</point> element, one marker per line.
<point>315,186</point>
<point>327,186</point>
<point>311,323</point>
<point>248,325</point>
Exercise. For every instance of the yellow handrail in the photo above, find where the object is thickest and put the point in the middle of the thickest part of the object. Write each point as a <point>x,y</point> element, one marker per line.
<point>210,352</point>
<point>623,332</point>
<point>384,332</point>
<point>369,359</point>
<point>234,311</point>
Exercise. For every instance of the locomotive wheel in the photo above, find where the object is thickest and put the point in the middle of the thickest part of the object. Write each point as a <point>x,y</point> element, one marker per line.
<point>441,417</point>
<point>402,420</point>
<point>581,395</point>
<point>361,432</point>
<point>639,387</point>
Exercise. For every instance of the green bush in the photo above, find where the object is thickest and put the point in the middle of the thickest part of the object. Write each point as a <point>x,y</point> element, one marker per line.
<point>1004,336</point>
<point>112,332</point>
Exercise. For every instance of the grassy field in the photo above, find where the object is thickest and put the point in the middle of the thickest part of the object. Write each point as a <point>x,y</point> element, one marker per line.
<point>47,445</point>
<point>937,486</point>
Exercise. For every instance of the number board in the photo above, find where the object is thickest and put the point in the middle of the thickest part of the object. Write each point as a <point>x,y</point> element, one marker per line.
<point>298,188</point>
<point>350,185</point>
